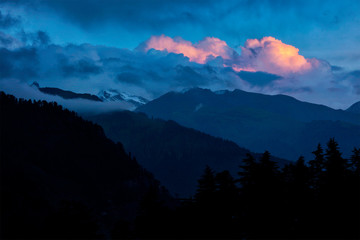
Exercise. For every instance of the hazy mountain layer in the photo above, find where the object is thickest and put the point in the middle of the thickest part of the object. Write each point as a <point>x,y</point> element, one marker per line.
<point>176,155</point>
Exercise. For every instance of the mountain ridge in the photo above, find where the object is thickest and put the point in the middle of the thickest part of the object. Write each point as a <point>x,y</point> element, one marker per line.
<point>355,108</point>
<point>280,123</point>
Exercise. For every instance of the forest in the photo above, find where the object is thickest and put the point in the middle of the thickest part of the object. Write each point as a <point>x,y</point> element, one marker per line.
<point>61,178</point>
<point>314,200</point>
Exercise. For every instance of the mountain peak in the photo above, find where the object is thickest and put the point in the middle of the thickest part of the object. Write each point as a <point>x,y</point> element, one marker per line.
<point>35,84</point>
<point>111,95</point>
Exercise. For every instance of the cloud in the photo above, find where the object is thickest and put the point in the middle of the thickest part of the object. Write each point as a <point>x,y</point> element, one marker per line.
<point>144,14</point>
<point>273,56</point>
<point>162,64</point>
<point>199,52</point>
<point>267,54</point>
<point>8,21</point>
<point>9,42</point>
<point>19,63</point>
<point>258,78</point>
<point>82,67</point>
<point>35,39</point>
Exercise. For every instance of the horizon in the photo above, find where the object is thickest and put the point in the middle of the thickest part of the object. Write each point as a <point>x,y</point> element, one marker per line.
<point>65,44</point>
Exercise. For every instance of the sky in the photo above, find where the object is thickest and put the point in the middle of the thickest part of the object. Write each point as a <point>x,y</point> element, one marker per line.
<point>306,49</point>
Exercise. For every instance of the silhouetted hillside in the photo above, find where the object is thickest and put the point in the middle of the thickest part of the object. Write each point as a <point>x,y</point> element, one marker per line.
<point>61,177</point>
<point>281,124</point>
<point>175,154</point>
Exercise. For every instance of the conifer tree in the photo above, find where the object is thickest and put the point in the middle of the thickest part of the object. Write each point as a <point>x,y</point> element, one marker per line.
<point>335,165</point>
<point>247,172</point>
<point>206,186</point>
<point>226,194</point>
<point>355,161</point>
<point>316,167</point>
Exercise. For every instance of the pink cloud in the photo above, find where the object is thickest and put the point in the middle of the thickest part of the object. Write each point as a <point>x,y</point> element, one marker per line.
<point>267,54</point>
<point>273,56</point>
<point>198,52</point>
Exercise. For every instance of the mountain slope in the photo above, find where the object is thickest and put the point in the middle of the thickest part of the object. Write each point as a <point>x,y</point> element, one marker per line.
<point>355,108</point>
<point>50,155</point>
<point>281,124</point>
<point>175,154</point>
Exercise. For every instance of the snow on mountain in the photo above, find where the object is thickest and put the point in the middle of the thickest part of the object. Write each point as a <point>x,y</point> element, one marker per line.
<point>111,95</point>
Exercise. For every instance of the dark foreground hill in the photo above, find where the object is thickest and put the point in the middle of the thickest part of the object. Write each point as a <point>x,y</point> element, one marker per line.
<point>175,154</point>
<point>281,124</point>
<point>61,177</point>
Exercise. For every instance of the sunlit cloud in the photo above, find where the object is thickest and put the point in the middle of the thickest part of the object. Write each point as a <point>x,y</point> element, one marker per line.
<point>199,52</point>
<point>267,54</point>
<point>273,56</point>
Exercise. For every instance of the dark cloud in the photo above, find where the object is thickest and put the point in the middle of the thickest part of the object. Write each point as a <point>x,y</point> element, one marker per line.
<point>8,21</point>
<point>21,63</point>
<point>38,38</point>
<point>258,78</point>
<point>81,68</point>
<point>160,14</point>
<point>355,74</point>
<point>130,78</point>
<point>186,75</point>
<point>42,38</point>
<point>336,68</point>
<point>154,14</point>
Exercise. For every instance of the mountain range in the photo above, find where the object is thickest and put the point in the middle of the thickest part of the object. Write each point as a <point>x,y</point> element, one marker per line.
<point>281,124</point>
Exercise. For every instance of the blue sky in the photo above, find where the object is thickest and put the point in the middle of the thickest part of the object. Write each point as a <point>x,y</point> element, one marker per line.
<point>322,29</point>
<point>43,40</point>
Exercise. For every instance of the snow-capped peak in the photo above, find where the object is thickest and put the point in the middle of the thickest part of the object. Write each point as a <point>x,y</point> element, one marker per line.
<point>114,95</point>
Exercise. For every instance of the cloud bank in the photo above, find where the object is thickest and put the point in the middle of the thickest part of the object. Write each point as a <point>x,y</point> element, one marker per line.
<point>161,64</point>
<point>266,55</point>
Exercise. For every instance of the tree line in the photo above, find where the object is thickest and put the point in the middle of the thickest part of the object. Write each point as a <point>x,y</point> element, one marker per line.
<point>318,199</point>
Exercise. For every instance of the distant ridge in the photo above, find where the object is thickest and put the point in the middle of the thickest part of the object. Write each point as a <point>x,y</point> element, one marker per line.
<point>175,154</point>
<point>281,124</point>
<point>66,94</point>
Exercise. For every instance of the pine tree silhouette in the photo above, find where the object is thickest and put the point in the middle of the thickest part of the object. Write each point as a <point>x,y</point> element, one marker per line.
<point>206,187</point>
